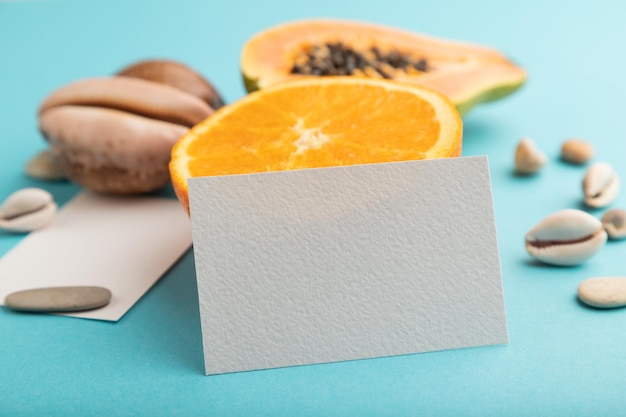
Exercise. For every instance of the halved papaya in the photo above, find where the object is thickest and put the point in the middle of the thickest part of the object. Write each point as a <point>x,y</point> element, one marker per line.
<point>468,74</point>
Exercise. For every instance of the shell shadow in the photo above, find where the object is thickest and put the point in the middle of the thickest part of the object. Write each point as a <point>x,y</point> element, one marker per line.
<point>533,263</point>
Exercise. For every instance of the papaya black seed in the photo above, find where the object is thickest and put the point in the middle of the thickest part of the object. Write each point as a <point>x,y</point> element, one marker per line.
<point>421,65</point>
<point>370,70</point>
<point>335,48</point>
<point>404,62</point>
<point>335,58</point>
<point>394,59</point>
<point>385,70</point>
<point>376,53</point>
<point>350,64</point>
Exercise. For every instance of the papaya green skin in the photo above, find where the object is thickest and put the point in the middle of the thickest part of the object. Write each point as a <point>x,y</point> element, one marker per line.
<point>463,107</point>
<point>486,96</point>
<point>250,83</point>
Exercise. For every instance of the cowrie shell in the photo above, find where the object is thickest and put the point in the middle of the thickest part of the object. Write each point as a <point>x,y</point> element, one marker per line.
<point>614,222</point>
<point>26,210</point>
<point>566,237</point>
<point>600,185</point>
<point>528,158</point>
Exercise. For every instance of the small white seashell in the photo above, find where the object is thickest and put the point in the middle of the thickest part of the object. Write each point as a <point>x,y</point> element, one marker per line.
<point>567,237</point>
<point>603,292</point>
<point>45,166</point>
<point>26,210</point>
<point>614,222</point>
<point>528,158</point>
<point>600,185</point>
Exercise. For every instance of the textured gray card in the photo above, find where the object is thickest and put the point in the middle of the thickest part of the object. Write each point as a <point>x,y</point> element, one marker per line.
<point>333,264</point>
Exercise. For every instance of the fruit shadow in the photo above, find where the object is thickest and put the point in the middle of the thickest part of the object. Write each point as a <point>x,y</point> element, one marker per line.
<point>476,129</point>
<point>591,210</point>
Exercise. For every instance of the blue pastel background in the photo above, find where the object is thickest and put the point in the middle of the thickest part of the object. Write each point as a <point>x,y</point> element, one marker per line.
<point>563,358</point>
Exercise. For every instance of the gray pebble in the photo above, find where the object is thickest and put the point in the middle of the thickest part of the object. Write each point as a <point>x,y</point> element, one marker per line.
<point>59,299</point>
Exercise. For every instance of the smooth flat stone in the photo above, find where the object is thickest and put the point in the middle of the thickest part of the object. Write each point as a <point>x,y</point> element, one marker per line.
<point>605,292</point>
<point>58,299</point>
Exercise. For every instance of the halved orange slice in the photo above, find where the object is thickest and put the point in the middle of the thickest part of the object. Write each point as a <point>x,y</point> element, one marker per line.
<point>314,123</point>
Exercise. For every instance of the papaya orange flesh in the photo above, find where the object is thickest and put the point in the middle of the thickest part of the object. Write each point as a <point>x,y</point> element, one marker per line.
<point>467,74</point>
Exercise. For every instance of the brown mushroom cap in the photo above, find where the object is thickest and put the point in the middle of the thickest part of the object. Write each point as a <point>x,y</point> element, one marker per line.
<point>114,135</point>
<point>177,75</point>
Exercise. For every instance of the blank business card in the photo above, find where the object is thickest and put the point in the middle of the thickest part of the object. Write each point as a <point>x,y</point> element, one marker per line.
<point>342,263</point>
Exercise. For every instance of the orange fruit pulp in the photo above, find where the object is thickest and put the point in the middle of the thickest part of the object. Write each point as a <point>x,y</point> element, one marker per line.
<point>314,123</point>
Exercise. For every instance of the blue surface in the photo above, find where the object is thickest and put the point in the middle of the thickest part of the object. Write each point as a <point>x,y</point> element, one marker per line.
<point>563,358</point>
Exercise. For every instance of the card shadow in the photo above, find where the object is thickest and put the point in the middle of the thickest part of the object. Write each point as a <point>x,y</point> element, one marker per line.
<point>170,318</point>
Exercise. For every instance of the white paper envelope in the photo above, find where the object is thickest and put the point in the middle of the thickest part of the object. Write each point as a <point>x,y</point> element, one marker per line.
<point>333,264</point>
<point>124,244</point>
